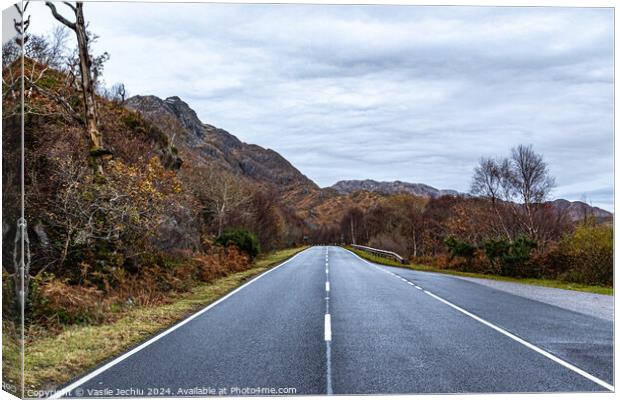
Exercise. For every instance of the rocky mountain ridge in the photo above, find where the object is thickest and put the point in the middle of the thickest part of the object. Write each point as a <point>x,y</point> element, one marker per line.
<point>577,210</point>
<point>204,143</point>
<point>394,187</point>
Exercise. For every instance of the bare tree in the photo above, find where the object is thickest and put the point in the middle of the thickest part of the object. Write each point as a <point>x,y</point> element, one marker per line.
<point>57,46</point>
<point>97,150</point>
<point>492,181</point>
<point>519,184</point>
<point>12,51</point>
<point>221,194</point>
<point>350,224</point>
<point>531,182</point>
<point>119,92</point>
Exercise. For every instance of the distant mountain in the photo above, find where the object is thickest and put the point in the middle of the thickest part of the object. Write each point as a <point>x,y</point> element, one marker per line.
<point>578,210</point>
<point>395,187</point>
<point>208,144</point>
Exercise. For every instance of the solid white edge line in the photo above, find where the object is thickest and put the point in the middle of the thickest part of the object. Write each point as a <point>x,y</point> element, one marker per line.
<point>328,328</point>
<point>327,286</point>
<point>514,337</point>
<point>526,343</point>
<point>122,357</point>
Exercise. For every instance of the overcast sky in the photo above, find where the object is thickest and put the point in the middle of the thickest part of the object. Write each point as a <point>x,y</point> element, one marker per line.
<point>407,93</point>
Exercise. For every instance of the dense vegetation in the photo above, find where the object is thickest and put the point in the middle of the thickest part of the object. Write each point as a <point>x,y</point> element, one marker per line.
<point>506,229</point>
<point>129,222</point>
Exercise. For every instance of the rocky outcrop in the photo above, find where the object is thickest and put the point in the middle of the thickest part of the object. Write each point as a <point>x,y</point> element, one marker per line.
<point>206,143</point>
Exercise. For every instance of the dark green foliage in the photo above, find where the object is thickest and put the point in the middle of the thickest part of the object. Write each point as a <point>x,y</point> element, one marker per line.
<point>496,250</point>
<point>510,258</point>
<point>246,241</point>
<point>460,248</point>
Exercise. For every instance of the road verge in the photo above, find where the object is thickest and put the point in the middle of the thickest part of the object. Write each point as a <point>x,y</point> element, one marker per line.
<point>55,359</point>
<point>526,281</point>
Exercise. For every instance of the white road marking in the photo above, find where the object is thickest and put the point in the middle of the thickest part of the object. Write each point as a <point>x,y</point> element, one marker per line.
<point>328,354</point>
<point>525,343</point>
<point>60,393</point>
<point>328,334</point>
<point>328,328</point>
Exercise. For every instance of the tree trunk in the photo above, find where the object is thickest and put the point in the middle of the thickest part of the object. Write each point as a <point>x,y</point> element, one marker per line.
<point>88,91</point>
<point>88,85</point>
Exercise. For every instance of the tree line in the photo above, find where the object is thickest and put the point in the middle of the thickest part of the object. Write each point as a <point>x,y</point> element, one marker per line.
<point>505,226</point>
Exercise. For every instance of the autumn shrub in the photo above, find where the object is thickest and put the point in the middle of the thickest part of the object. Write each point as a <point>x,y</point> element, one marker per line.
<point>149,287</point>
<point>424,260</point>
<point>586,255</point>
<point>107,224</point>
<point>441,261</point>
<point>220,262</point>
<point>245,241</point>
<point>55,302</point>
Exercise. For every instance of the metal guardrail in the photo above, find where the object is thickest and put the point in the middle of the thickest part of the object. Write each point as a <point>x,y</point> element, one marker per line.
<point>381,253</point>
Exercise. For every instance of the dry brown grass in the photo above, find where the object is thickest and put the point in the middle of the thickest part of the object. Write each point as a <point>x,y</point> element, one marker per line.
<point>105,297</point>
<point>53,357</point>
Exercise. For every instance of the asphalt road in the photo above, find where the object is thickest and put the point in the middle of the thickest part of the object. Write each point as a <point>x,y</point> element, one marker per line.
<point>327,322</point>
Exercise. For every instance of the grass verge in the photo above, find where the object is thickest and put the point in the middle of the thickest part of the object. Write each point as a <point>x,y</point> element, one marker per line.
<point>54,360</point>
<point>554,283</point>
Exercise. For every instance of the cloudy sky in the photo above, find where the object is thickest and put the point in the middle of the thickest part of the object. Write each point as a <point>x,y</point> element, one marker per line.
<point>407,93</point>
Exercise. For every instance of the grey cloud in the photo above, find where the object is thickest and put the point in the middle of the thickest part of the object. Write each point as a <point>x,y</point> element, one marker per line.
<point>382,92</point>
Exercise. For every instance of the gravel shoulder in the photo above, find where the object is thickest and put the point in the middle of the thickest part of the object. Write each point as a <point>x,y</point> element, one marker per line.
<point>596,305</point>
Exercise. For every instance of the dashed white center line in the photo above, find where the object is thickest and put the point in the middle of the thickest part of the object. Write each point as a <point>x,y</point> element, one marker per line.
<point>508,334</point>
<point>328,328</point>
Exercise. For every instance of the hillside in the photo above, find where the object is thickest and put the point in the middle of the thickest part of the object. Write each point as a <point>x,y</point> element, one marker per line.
<point>205,144</point>
<point>578,210</point>
<point>208,144</point>
<point>395,187</point>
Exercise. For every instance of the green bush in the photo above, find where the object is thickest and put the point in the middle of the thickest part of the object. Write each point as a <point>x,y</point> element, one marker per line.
<point>510,258</point>
<point>588,255</point>
<point>496,250</point>
<point>460,248</point>
<point>245,240</point>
